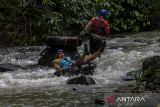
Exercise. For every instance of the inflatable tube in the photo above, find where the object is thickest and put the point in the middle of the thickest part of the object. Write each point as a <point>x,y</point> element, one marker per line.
<point>85,69</point>
<point>62,42</point>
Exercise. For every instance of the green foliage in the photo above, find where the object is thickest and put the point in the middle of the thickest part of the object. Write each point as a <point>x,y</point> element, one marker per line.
<point>155,13</point>
<point>76,13</point>
<point>25,21</point>
<point>22,20</point>
<point>128,15</point>
<point>139,76</point>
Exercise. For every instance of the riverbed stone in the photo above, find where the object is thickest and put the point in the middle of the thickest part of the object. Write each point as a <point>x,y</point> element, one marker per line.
<point>9,67</point>
<point>84,80</point>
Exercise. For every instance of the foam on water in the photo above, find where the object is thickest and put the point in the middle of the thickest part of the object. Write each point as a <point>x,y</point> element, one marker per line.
<point>112,64</point>
<point>116,62</point>
<point>30,79</point>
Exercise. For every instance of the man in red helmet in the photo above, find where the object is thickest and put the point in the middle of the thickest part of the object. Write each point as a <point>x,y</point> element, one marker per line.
<point>98,28</point>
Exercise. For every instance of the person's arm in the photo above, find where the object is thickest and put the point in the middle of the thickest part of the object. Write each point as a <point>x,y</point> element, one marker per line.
<point>107,28</point>
<point>88,26</point>
<point>80,60</point>
<point>58,68</point>
<point>91,57</point>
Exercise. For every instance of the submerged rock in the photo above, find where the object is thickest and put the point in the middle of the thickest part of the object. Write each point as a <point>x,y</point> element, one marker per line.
<point>118,36</point>
<point>99,101</point>
<point>130,75</point>
<point>143,41</point>
<point>9,67</point>
<point>117,47</point>
<point>140,40</point>
<point>81,80</point>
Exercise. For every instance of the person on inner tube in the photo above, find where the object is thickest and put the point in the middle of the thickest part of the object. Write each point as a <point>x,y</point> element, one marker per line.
<point>97,28</point>
<point>61,63</point>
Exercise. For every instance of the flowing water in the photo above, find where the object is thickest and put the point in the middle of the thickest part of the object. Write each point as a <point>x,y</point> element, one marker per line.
<point>35,87</point>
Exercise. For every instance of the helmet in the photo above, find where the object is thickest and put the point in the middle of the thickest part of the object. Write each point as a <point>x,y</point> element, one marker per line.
<point>103,12</point>
<point>60,50</point>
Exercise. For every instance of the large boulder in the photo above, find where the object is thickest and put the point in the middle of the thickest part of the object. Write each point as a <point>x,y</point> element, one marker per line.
<point>151,66</point>
<point>81,80</point>
<point>151,72</point>
<point>147,79</point>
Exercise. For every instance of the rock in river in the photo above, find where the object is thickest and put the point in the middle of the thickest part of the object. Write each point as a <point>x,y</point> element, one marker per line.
<point>151,72</point>
<point>84,80</point>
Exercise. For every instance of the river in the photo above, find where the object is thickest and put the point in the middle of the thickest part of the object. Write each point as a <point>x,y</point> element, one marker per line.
<point>35,87</point>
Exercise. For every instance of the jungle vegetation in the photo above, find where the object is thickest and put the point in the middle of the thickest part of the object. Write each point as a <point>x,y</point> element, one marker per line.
<point>24,22</point>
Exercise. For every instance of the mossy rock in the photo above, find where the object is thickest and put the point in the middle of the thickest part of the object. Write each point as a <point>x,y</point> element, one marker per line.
<point>151,73</point>
<point>151,66</point>
<point>151,63</point>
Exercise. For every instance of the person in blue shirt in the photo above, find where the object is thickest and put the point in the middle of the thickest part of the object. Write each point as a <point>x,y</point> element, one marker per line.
<point>62,62</point>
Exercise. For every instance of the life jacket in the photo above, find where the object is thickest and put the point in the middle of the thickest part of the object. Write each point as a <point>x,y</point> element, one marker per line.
<point>97,26</point>
<point>66,63</point>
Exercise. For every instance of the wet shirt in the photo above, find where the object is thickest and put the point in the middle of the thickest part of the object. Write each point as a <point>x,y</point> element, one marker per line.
<point>65,63</point>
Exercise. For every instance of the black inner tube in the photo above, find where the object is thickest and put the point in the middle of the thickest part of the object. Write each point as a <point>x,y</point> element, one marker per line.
<point>85,69</point>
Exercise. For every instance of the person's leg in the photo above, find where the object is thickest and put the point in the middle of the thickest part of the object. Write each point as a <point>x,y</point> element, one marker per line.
<point>103,46</point>
<point>95,44</point>
<point>92,45</point>
<point>89,58</point>
<point>80,60</point>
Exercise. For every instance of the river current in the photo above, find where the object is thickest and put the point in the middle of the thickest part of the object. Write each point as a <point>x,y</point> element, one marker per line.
<point>35,87</point>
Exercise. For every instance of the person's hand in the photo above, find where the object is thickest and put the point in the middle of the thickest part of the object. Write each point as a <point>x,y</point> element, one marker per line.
<point>61,70</point>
